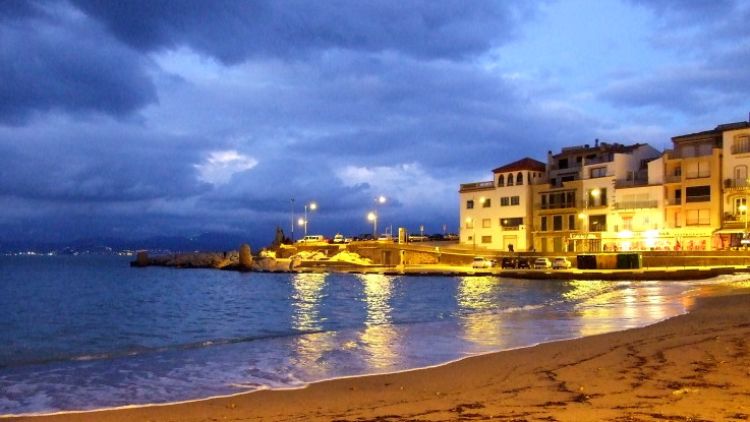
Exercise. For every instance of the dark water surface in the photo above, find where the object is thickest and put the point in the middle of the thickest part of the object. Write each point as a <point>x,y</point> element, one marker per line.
<point>91,332</point>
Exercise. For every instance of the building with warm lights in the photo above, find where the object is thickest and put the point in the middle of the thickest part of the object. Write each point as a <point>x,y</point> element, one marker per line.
<point>496,213</point>
<point>615,197</point>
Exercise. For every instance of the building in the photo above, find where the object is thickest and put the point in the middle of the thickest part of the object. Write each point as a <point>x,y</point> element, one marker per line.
<point>735,140</point>
<point>497,213</point>
<point>575,210</point>
<point>615,197</point>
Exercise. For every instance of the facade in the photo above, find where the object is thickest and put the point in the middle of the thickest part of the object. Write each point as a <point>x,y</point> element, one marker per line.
<point>496,213</point>
<point>735,139</point>
<point>615,197</point>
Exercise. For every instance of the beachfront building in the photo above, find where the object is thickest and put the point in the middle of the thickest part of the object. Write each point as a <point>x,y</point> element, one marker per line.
<point>496,213</point>
<point>735,139</point>
<point>576,210</point>
<point>693,191</point>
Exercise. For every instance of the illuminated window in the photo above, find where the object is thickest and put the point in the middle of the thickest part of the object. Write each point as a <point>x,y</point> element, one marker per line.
<point>486,223</point>
<point>486,239</point>
<point>469,224</point>
<point>698,217</point>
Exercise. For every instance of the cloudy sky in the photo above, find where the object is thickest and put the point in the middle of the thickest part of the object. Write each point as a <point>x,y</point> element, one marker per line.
<point>140,118</point>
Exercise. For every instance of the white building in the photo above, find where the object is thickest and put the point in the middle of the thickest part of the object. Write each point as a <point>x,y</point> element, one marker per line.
<point>497,213</point>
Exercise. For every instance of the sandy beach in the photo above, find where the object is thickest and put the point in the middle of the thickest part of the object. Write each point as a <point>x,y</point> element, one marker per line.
<point>694,367</point>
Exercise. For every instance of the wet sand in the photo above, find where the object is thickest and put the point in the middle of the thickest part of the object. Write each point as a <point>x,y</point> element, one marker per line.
<point>694,367</point>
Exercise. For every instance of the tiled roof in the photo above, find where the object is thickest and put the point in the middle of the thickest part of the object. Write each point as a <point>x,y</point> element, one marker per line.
<point>522,164</point>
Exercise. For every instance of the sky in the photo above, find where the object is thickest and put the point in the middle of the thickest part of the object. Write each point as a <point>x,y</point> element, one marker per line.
<point>175,118</point>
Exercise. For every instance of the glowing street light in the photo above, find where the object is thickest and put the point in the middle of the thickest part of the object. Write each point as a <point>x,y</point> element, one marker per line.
<point>312,206</point>
<point>381,199</point>
<point>374,218</point>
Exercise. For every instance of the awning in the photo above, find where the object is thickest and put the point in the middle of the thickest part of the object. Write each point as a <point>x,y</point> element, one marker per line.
<point>729,231</point>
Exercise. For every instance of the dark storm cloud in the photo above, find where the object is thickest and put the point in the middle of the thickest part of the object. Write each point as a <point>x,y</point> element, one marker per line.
<point>79,163</point>
<point>710,37</point>
<point>54,60</point>
<point>235,30</point>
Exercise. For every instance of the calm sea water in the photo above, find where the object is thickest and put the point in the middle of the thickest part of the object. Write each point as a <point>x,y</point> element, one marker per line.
<point>91,332</point>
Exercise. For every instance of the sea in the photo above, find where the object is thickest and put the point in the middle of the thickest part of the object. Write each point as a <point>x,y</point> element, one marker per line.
<point>91,332</point>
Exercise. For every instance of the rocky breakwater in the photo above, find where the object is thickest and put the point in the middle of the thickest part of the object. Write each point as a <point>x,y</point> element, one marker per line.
<point>241,260</point>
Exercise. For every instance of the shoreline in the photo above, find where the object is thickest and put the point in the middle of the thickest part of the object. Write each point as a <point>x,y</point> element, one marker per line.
<point>356,395</point>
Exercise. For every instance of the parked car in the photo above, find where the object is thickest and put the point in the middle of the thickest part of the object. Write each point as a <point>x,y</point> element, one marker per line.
<point>509,262</point>
<point>561,263</point>
<point>523,263</point>
<point>542,264</point>
<point>481,262</point>
<point>339,238</point>
<point>417,238</point>
<point>313,238</point>
<point>436,237</point>
<point>385,238</point>
<point>451,236</point>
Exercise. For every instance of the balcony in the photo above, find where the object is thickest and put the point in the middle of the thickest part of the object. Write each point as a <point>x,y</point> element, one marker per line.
<point>698,198</point>
<point>736,184</point>
<point>674,201</point>
<point>733,220</point>
<point>630,183</point>
<point>702,175</point>
<point>558,206</point>
<point>468,187</point>
<point>674,178</point>
<point>634,205</point>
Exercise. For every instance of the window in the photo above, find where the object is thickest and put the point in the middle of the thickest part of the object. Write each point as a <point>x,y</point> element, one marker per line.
<point>504,201</point>
<point>544,224</point>
<point>519,178</point>
<point>698,194</point>
<point>562,163</point>
<point>511,223</point>
<point>627,223</point>
<point>514,200</point>
<point>698,217</point>
<point>598,223</point>
<point>487,203</point>
<point>510,179</point>
<point>740,206</point>
<point>469,223</point>
<point>571,222</point>
<point>501,181</point>
<point>597,197</point>
<point>598,172</point>
<point>470,204</point>
<point>486,223</point>
<point>741,144</point>
<point>486,239</point>
<point>557,223</point>
<point>698,169</point>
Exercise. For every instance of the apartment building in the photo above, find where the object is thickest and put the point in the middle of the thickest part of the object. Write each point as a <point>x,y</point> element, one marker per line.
<point>615,197</point>
<point>735,140</point>
<point>496,214</point>
<point>575,210</point>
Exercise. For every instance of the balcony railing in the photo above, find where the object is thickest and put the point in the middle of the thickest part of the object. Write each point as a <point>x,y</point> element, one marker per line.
<point>559,205</point>
<point>674,178</point>
<point>697,175</point>
<point>630,183</point>
<point>733,218</point>
<point>698,198</point>
<point>477,186</point>
<point>674,201</point>
<point>633,205</point>
<point>739,184</point>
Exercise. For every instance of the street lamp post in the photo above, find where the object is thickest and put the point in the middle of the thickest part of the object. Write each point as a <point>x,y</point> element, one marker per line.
<point>374,218</point>
<point>312,206</point>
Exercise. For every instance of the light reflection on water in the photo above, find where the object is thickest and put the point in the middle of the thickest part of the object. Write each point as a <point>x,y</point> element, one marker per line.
<point>306,301</point>
<point>285,329</point>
